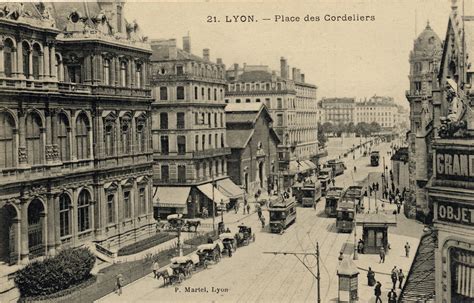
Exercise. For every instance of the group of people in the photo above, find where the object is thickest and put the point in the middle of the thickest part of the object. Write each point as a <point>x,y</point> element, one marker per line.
<point>397,276</point>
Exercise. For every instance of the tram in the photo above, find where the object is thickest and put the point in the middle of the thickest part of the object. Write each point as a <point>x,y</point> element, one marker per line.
<point>337,166</point>
<point>310,193</point>
<point>332,197</point>
<point>282,214</point>
<point>345,213</point>
<point>374,158</point>
<point>325,176</point>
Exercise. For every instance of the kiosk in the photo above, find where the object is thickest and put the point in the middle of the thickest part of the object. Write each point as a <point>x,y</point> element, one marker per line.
<point>347,274</point>
<point>375,231</point>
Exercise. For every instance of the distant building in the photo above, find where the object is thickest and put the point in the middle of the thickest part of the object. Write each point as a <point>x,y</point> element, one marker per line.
<point>253,163</point>
<point>337,110</point>
<point>424,66</point>
<point>293,107</point>
<point>75,128</point>
<point>379,109</point>
<point>189,134</point>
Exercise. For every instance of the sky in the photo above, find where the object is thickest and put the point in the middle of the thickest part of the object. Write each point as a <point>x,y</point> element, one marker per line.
<point>344,59</point>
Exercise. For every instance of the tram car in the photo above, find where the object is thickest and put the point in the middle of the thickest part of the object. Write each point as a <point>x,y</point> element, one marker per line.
<point>337,166</point>
<point>374,158</point>
<point>310,193</point>
<point>282,214</point>
<point>332,197</point>
<point>356,193</point>
<point>325,177</point>
<point>345,213</point>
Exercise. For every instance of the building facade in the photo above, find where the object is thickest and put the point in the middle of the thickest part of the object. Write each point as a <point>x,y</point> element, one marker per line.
<point>253,162</point>
<point>379,109</point>
<point>292,105</point>
<point>424,65</point>
<point>451,187</point>
<point>76,158</point>
<point>337,110</point>
<point>189,132</point>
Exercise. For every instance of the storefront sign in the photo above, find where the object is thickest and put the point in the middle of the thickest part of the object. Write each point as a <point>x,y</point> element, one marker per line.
<point>454,165</point>
<point>455,213</point>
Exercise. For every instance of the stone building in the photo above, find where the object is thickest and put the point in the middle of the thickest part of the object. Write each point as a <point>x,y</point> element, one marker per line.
<point>292,104</point>
<point>424,65</point>
<point>380,109</point>
<point>253,163</point>
<point>189,134</point>
<point>75,130</point>
<point>337,110</point>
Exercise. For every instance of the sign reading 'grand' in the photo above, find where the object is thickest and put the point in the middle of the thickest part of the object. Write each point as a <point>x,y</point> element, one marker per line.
<point>454,165</point>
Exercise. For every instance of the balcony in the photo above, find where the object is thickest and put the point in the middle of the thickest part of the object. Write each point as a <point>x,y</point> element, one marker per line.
<point>223,151</point>
<point>187,77</point>
<point>120,91</point>
<point>27,84</point>
<point>74,88</point>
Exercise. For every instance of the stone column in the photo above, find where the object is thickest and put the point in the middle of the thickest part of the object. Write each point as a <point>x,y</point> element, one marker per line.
<point>52,63</point>
<point>47,65</point>
<point>74,229</point>
<point>132,72</point>
<point>101,222</point>
<point>88,69</point>
<point>24,248</point>
<point>30,64</point>
<point>51,225</point>
<point>22,153</point>
<point>113,76</point>
<point>49,145</point>
<point>2,66</point>
<point>41,69</point>
<point>57,231</point>
<point>19,60</point>
<point>17,236</point>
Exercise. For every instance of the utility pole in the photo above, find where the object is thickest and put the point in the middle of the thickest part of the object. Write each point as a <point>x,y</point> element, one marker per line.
<point>213,202</point>
<point>297,254</point>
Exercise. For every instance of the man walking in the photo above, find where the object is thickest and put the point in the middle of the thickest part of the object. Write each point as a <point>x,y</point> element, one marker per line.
<point>382,255</point>
<point>378,292</point>
<point>394,277</point>
<point>392,296</point>
<point>248,209</point>
<point>119,284</point>
<point>401,276</point>
<point>155,267</point>
<point>407,250</point>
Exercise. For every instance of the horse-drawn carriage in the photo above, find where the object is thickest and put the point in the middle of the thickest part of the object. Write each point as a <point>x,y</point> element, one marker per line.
<point>229,242</point>
<point>182,265</point>
<point>176,221</point>
<point>244,236</point>
<point>171,276</point>
<point>192,223</point>
<point>210,252</point>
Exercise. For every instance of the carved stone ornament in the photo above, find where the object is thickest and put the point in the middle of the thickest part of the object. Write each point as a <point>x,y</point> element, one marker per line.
<point>22,155</point>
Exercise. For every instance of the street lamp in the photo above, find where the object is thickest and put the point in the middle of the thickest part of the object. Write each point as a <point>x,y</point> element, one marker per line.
<point>222,211</point>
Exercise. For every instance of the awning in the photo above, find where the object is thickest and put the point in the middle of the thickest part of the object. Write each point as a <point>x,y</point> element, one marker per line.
<point>230,189</point>
<point>171,196</point>
<point>219,197</point>
<point>310,164</point>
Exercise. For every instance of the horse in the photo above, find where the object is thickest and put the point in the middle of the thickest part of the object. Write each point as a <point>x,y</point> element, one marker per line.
<point>194,224</point>
<point>164,274</point>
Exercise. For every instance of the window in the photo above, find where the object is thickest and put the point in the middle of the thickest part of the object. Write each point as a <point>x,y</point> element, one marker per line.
<point>196,142</point>
<point>82,137</point>
<point>63,138</point>
<point>222,120</point>
<point>226,100</point>
<point>163,120</point>
<point>179,70</point>
<point>203,142</point>
<point>123,74</point>
<point>7,147</point>
<point>64,215</point>
<point>109,137</point>
<point>257,100</point>
<point>34,142</point>
<point>215,120</point>
<point>165,173</point>
<point>110,208</point>
<point>26,59</point>
<point>83,211</point>
<point>202,92</point>
<point>418,86</point>
<point>125,128</point>
<point>107,72</point>
<point>141,201</point>
<point>181,145</point>
<point>8,57</point>
<point>280,120</point>
<point>138,75</point>
<point>210,140</point>
<point>181,173</point>
<point>196,118</point>
<point>127,205</point>
<point>141,134</point>
<point>163,93</point>
<point>180,93</point>
<point>237,87</point>
<point>247,100</point>
<point>164,145</point>
<point>180,124</point>
<point>215,94</point>
<point>209,94</point>
<point>195,93</point>
<point>209,119</point>
<point>247,86</point>
<point>279,103</point>
<point>222,140</point>
<point>216,139</point>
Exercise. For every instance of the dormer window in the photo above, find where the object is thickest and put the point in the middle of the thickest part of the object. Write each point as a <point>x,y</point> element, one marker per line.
<point>179,70</point>
<point>162,71</point>
<point>74,17</point>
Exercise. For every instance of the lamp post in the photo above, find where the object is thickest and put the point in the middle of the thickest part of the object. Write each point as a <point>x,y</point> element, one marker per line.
<point>222,211</point>
<point>356,257</point>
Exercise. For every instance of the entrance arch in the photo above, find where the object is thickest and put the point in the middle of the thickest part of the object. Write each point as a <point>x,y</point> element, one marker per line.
<point>36,219</point>
<point>9,234</point>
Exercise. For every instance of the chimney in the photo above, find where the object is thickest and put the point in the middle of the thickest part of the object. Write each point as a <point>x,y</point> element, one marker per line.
<point>219,60</point>
<point>187,44</point>
<point>283,68</point>
<point>295,74</point>
<point>302,78</point>
<point>206,54</point>
<point>245,66</point>
<point>274,76</point>
<point>298,75</point>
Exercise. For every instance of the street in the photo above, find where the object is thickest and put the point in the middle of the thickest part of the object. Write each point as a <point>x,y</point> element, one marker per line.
<point>252,276</point>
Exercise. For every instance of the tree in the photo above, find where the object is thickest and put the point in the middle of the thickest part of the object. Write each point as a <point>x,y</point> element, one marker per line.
<point>327,128</point>
<point>375,127</point>
<point>350,127</point>
<point>362,129</point>
<point>322,139</point>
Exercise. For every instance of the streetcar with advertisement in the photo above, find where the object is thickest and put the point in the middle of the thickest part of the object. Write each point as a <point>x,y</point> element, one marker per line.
<point>282,214</point>
<point>325,177</point>
<point>345,213</point>
<point>332,198</point>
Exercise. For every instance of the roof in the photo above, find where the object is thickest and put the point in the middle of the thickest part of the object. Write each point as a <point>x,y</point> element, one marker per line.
<point>255,76</point>
<point>428,40</point>
<point>213,193</point>
<point>229,188</point>
<point>243,107</point>
<point>238,138</point>
<point>376,219</point>
<point>347,267</point>
<point>171,196</point>
<point>401,155</point>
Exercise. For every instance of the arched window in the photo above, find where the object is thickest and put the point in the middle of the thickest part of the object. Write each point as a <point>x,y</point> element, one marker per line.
<point>222,140</point>
<point>36,61</point>
<point>8,57</point>
<point>123,73</point>
<point>82,137</point>
<point>215,94</point>
<point>195,93</point>
<point>138,75</point>
<point>141,134</point>
<point>83,211</point>
<point>7,148</point>
<point>26,59</point>
<point>34,142</point>
<point>63,137</point>
<point>125,129</point>
<point>109,136</point>
<point>64,215</point>
<point>107,72</point>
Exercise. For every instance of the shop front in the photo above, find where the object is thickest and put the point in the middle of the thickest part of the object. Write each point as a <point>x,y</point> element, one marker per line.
<point>211,193</point>
<point>231,190</point>
<point>170,200</point>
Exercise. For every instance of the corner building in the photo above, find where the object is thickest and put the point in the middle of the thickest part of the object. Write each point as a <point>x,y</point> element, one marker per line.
<point>189,132</point>
<point>292,104</point>
<point>75,130</point>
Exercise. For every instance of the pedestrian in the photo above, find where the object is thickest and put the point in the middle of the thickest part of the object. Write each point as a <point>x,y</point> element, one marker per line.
<point>378,292</point>
<point>392,296</point>
<point>399,205</point>
<point>407,249</point>
<point>155,267</point>
<point>370,277</point>
<point>236,207</point>
<point>262,219</point>
<point>377,186</point>
<point>118,284</point>
<point>382,255</point>
<point>334,182</point>
<point>394,276</point>
<point>401,276</point>
<point>248,209</point>
<point>259,212</point>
